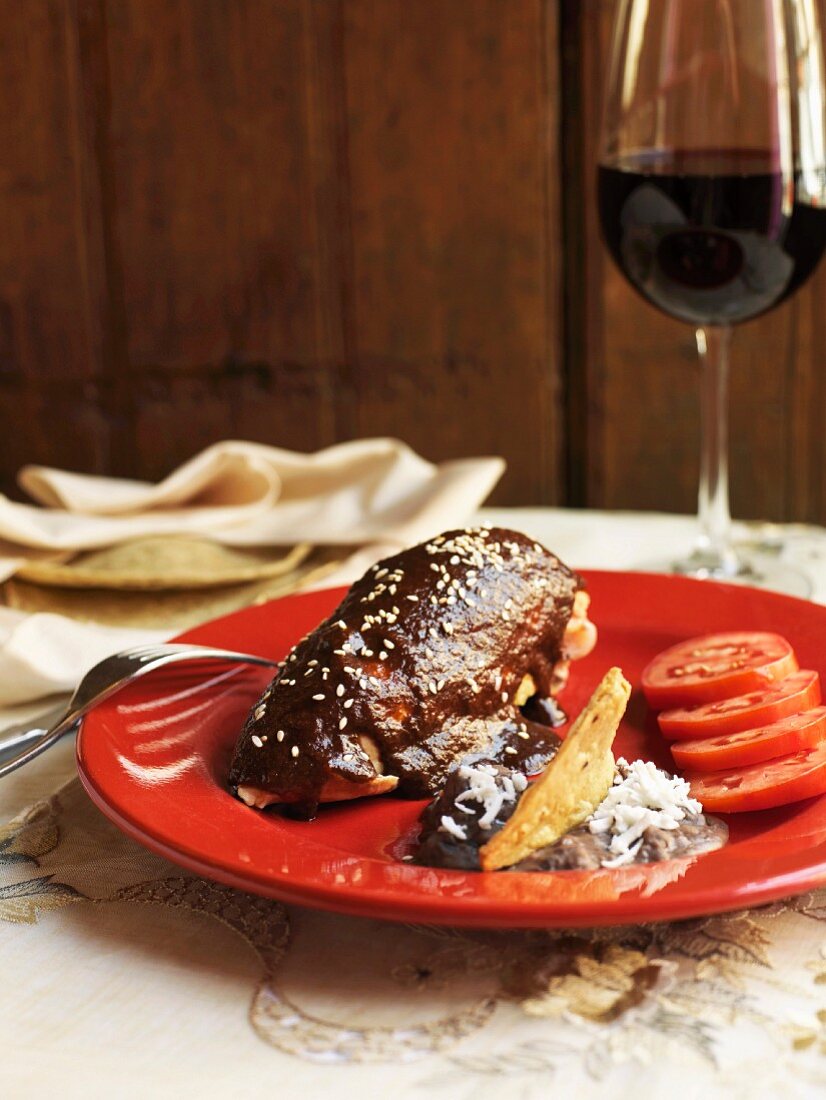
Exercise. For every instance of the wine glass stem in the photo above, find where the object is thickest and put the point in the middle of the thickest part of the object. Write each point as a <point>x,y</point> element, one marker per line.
<point>713,547</point>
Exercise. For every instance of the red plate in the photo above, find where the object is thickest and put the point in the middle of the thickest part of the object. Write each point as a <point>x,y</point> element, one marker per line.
<point>155,759</point>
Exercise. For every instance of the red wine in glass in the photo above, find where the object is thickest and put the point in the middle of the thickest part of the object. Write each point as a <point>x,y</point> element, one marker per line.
<point>712,200</point>
<point>712,237</point>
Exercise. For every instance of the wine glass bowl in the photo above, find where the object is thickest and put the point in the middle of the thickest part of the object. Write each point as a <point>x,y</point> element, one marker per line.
<point>712,196</point>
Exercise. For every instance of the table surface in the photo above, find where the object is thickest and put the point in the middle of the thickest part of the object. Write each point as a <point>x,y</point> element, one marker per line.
<point>122,974</point>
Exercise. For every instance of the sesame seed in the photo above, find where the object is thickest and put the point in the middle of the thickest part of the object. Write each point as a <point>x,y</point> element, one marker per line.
<point>260,712</point>
<point>440,685</point>
<point>256,740</point>
<point>524,735</point>
<point>435,567</point>
<point>312,663</point>
<point>294,750</point>
<point>342,624</point>
<point>511,750</point>
<point>347,756</point>
<point>433,687</point>
<point>389,644</point>
<point>447,627</point>
<point>497,683</point>
<point>319,697</point>
<point>348,703</point>
<point>279,735</point>
<point>504,697</point>
<point>381,573</point>
<point>429,653</point>
<point>413,599</point>
<point>368,652</point>
<point>342,723</point>
<point>363,683</point>
<point>506,616</point>
<point>382,655</point>
<point>340,690</point>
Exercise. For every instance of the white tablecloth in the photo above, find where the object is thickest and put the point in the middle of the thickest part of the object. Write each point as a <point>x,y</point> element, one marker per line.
<point>124,976</point>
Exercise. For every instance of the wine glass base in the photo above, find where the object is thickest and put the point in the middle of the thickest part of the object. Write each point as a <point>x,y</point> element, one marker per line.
<point>758,571</point>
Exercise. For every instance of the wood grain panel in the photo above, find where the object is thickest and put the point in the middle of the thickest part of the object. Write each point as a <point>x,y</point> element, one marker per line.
<point>224,166</point>
<point>454,326</point>
<point>299,221</point>
<point>50,305</point>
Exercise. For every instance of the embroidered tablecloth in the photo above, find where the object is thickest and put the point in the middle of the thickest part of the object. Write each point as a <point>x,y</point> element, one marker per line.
<point>124,976</point>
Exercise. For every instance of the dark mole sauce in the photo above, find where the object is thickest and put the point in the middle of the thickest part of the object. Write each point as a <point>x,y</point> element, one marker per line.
<point>423,656</point>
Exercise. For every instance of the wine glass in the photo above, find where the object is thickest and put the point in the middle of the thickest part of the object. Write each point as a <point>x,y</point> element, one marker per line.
<point>712,198</point>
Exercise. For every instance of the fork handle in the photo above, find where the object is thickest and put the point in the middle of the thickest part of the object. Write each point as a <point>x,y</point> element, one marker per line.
<point>27,745</point>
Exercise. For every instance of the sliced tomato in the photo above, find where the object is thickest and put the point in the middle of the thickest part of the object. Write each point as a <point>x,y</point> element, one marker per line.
<point>761,786</point>
<point>716,666</point>
<point>789,735</point>
<point>800,691</point>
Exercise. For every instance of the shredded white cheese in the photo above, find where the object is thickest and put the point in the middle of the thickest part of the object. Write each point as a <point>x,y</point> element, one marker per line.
<point>488,790</point>
<point>642,796</point>
<point>448,825</point>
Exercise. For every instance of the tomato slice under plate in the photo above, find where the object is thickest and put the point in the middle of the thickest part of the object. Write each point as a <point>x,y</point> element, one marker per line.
<point>761,786</point>
<point>716,666</point>
<point>800,691</point>
<point>789,735</point>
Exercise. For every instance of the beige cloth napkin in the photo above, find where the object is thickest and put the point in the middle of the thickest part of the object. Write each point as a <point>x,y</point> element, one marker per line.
<point>375,494</point>
<point>248,494</point>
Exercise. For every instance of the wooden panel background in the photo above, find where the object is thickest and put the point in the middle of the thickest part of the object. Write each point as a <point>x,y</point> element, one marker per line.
<point>299,221</point>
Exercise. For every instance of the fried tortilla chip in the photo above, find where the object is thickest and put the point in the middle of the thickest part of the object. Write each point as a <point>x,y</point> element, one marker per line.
<point>572,785</point>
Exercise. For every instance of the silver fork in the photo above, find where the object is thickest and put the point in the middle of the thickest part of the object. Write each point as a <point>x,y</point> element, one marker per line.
<point>103,680</point>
